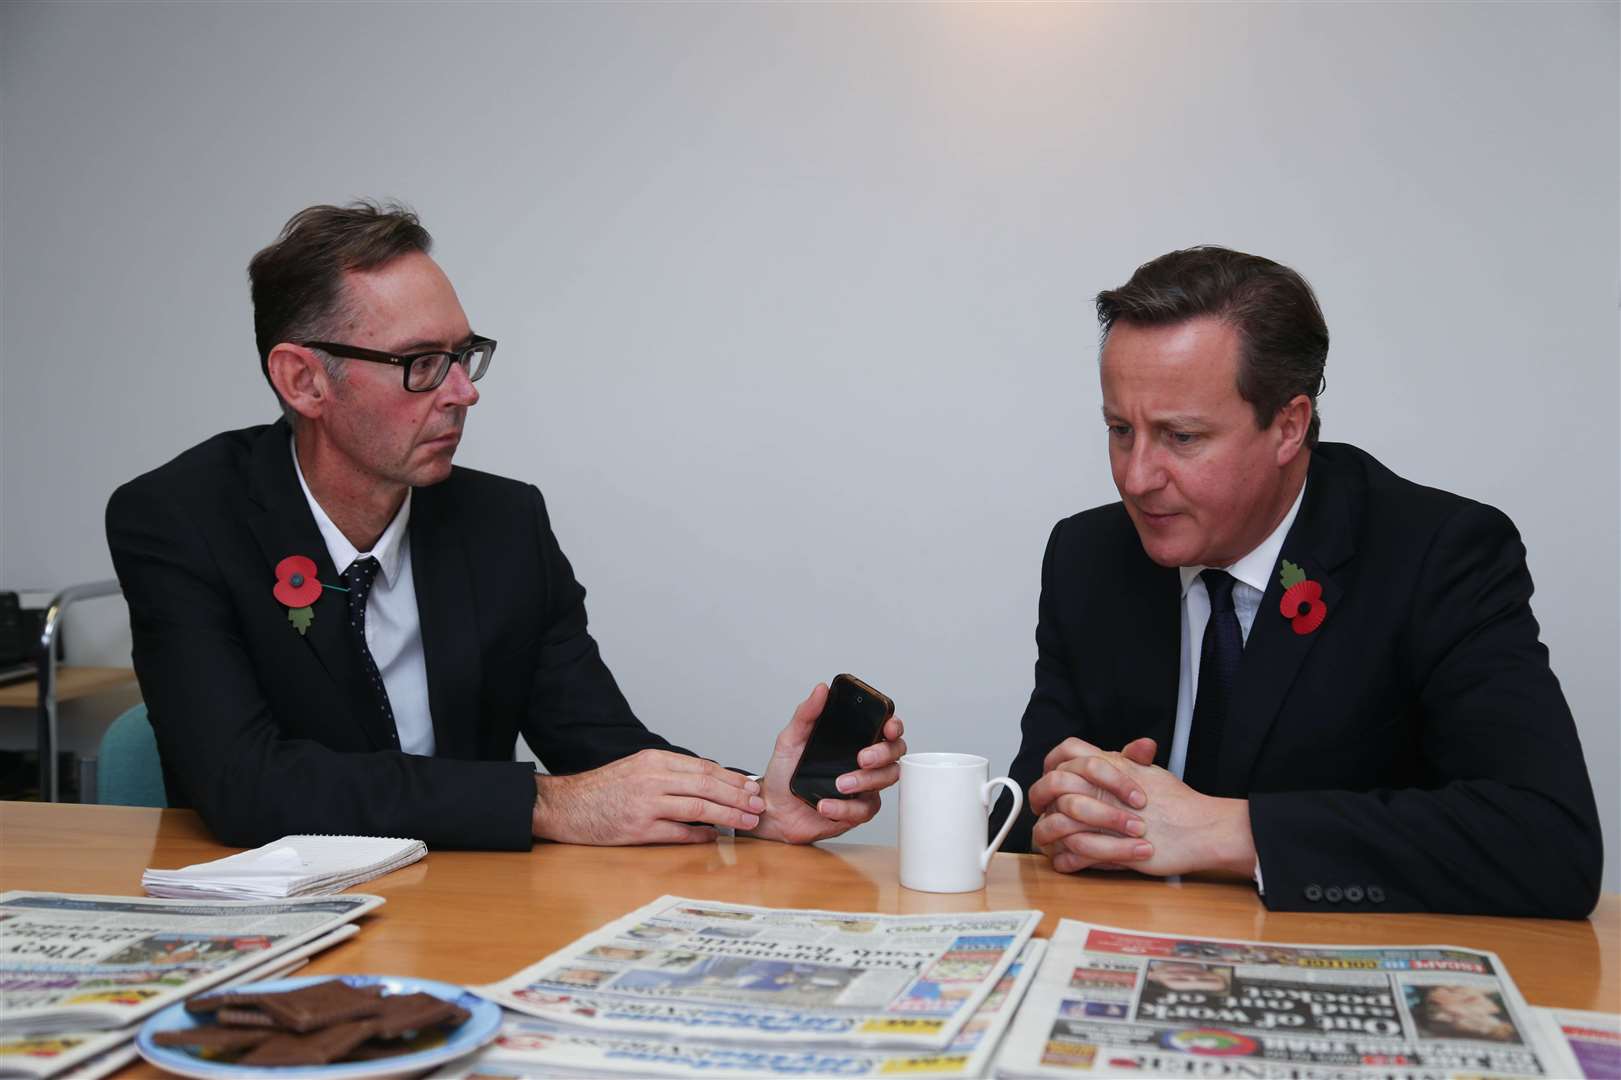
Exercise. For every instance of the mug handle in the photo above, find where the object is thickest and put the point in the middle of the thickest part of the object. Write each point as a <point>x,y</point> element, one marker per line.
<point>1018,804</point>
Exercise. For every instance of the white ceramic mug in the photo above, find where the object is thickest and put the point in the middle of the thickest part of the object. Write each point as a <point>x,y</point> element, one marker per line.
<point>945,802</point>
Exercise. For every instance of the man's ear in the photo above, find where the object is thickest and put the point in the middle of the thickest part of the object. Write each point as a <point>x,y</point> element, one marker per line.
<point>1292,424</point>
<point>300,378</point>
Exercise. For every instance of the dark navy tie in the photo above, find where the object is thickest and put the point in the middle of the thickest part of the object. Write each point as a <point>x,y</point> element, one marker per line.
<point>359,578</point>
<point>1223,648</point>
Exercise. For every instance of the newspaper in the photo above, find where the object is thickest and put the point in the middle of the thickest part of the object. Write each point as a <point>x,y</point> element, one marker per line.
<point>728,972</point>
<point>1591,1039</point>
<point>530,1047</point>
<point>88,963</point>
<point>1110,1002</point>
<point>91,1053</point>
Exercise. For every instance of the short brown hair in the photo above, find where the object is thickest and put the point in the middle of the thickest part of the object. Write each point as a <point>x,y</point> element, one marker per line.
<point>1284,338</point>
<point>297,282</point>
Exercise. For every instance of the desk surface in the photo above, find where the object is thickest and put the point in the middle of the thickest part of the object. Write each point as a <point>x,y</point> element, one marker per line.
<point>475,917</point>
<point>71,683</point>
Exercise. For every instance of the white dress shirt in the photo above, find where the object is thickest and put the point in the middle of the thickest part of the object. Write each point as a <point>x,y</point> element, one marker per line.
<point>393,627</point>
<point>1251,575</point>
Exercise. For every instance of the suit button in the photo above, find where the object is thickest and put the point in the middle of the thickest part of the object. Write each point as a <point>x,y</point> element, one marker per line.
<point>1376,894</point>
<point>1333,894</point>
<point>1314,892</point>
<point>1353,893</point>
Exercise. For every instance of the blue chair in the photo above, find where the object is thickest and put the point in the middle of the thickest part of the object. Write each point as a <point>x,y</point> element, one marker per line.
<point>128,771</point>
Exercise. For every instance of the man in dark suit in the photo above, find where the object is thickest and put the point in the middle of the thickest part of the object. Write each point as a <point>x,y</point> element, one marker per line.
<point>1276,658</point>
<point>337,632</point>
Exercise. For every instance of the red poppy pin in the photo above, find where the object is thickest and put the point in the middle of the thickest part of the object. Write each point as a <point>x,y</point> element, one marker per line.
<point>1302,602</point>
<point>297,587</point>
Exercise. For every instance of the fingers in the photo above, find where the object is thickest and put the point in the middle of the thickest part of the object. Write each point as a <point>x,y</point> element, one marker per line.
<point>856,811</point>
<point>1097,814</point>
<point>879,762</point>
<point>685,763</point>
<point>882,753</point>
<point>1067,750</point>
<point>1050,831</point>
<point>1100,771</point>
<point>1066,863</point>
<point>1140,750</point>
<point>1056,783</point>
<point>675,832</point>
<point>868,779</point>
<point>716,790</point>
<point>693,810</point>
<point>1096,847</point>
<point>805,714</point>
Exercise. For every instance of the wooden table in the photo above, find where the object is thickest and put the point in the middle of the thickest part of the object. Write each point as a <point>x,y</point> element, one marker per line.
<point>475,917</point>
<point>71,683</point>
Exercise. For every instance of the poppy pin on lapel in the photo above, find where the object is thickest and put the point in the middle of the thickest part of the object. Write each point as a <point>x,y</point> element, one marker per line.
<point>298,588</point>
<point>1302,602</point>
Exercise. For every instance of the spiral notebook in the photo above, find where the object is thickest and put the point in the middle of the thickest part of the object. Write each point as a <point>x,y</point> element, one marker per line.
<point>291,866</point>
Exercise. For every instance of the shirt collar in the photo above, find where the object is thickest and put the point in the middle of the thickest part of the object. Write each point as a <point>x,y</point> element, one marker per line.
<point>389,551</point>
<point>1254,569</point>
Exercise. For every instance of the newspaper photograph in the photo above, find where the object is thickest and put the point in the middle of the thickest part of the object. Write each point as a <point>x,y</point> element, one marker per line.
<point>74,963</point>
<point>531,1047</point>
<point>727,972</point>
<point>1111,1002</point>
<point>1592,1041</point>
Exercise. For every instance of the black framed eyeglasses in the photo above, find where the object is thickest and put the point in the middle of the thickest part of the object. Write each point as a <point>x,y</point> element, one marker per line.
<point>423,371</point>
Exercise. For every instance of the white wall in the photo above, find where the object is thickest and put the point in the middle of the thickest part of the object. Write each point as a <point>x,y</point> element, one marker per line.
<point>793,300</point>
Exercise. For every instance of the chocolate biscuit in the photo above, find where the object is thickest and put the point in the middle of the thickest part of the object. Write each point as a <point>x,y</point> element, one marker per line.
<point>320,1005</point>
<point>213,1037</point>
<point>317,1048</point>
<point>403,1013</point>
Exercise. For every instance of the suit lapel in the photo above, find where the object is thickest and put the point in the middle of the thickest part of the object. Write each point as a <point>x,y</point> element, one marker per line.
<point>442,570</point>
<point>281,522</point>
<point>1320,541</point>
<point>1149,635</point>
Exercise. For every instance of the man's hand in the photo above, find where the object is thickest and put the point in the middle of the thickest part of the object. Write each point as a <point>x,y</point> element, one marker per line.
<point>1097,828</point>
<point>1186,831</point>
<point>650,797</point>
<point>788,819</point>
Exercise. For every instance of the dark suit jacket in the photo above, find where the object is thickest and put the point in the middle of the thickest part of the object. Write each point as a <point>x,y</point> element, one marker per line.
<point>1415,753</point>
<point>269,733</point>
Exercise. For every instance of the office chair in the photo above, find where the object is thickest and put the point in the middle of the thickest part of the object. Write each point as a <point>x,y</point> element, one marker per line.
<point>128,772</point>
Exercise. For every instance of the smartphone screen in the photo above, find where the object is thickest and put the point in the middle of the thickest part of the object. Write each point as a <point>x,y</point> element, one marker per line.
<point>852,720</point>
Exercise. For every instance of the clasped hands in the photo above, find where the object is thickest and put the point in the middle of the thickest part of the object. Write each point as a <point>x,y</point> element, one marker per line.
<point>660,797</point>
<point>1117,810</point>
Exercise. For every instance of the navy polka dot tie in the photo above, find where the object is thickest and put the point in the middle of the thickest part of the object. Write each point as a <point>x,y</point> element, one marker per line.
<point>359,578</point>
<point>1219,655</point>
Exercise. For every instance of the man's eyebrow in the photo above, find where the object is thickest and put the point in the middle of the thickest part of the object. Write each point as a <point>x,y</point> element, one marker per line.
<point>428,345</point>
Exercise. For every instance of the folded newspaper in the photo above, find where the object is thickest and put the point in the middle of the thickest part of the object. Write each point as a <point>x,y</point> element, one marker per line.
<point>530,1047</point>
<point>683,968</point>
<point>1110,1002</point>
<point>92,1053</point>
<point>86,963</point>
<point>291,866</point>
<point>1592,1039</point>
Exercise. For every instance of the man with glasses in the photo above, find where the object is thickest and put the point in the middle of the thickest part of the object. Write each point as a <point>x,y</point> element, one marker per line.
<point>337,632</point>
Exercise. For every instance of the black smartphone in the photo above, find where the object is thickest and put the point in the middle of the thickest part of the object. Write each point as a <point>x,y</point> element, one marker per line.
<point>852,719</point>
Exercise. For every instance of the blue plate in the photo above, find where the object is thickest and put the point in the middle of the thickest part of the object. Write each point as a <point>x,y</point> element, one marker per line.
<point>474,1032</point>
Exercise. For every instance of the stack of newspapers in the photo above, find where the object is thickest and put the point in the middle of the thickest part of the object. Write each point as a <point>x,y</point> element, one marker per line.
<point>78,974</point>
<point>695,987</point>
<point>1112,1002</point>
